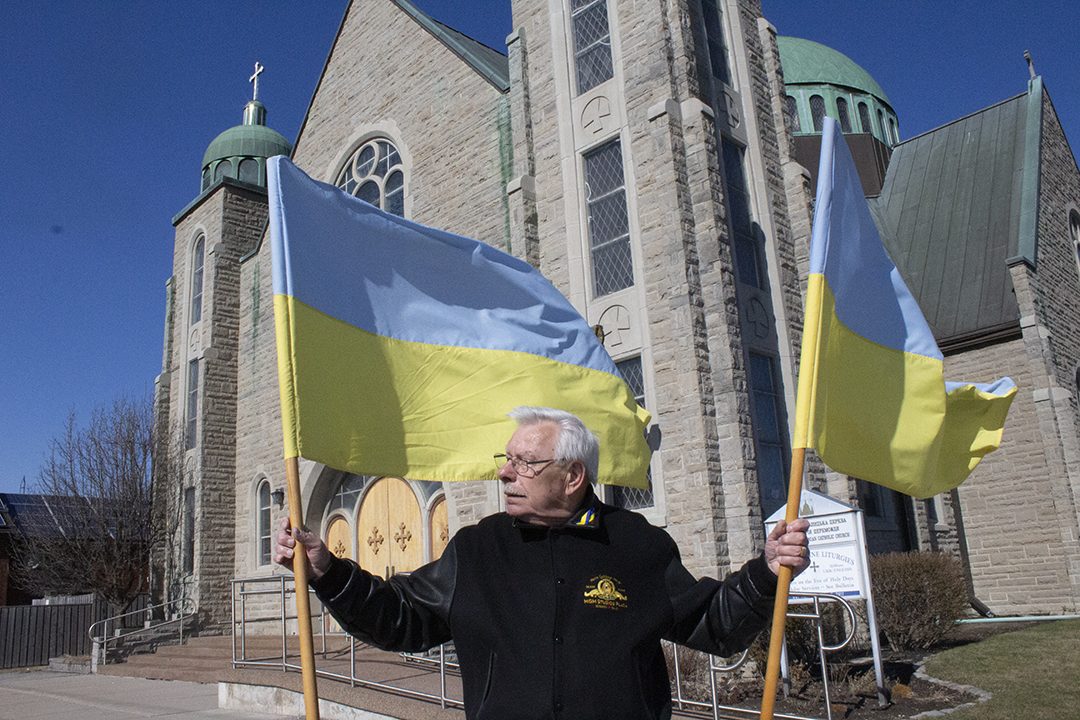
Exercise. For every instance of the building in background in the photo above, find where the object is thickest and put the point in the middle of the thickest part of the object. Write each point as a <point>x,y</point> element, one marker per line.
<point>651,162</point>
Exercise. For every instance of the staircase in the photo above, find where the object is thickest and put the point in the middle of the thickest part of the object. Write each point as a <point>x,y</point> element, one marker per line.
<point>206,659</point>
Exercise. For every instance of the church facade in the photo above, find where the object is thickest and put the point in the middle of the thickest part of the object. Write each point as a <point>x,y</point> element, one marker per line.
<point>644,159</point>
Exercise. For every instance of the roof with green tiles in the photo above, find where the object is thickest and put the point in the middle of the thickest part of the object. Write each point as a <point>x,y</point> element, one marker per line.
<point>806,62</point>
<point>488,62</point>
<point>953,211</point>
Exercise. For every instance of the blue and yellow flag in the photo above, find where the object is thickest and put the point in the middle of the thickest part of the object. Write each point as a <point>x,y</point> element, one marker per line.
<point>401,347</point>
<point>872,399</point>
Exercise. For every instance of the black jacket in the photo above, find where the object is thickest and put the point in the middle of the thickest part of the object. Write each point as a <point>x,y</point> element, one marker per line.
<point>556,623</point>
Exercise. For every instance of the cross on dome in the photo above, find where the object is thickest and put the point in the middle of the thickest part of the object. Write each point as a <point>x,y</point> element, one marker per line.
<point>254,80</point>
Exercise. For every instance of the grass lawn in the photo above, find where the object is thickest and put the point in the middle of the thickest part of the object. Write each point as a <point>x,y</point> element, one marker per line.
<point>1032,673</point>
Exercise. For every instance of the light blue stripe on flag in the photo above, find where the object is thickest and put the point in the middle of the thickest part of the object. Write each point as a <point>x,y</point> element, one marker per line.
<point>403,280</point>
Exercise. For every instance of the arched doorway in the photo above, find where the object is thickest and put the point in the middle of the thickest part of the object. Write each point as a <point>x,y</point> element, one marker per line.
<point>389,530</point>
<point>439,530</point>
<point>339,537</point>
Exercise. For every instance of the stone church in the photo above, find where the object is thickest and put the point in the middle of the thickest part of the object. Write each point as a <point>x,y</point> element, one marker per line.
<point>655,162</point>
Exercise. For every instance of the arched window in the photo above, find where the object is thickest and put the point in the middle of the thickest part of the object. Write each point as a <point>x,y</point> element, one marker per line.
<point>262,522</point>
<point>864,118</point>
<point>249,171</point>
<point>895,132</point>
<point>197,257</point>
<point>223,169</point>
<point>375,174</point>
<point>842,115</point>
<point>205,179</point>
<point>347,492</point>
<point>817,111</point>
<point>793,114</point>
<point>1074,233</point>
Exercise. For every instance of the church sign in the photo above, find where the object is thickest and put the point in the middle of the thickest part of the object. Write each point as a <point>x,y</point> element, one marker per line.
<point>838,563</point>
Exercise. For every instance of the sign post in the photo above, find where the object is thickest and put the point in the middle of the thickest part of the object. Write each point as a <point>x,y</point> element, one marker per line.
<point>839,563</point>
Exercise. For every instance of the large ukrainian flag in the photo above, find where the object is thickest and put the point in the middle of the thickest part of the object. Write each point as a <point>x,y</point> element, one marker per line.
<point>401,347</point>
<point>872,399</point>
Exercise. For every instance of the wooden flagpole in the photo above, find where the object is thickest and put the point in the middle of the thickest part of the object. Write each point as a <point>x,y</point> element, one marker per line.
<point>783,584</point>
<point>303,602</point>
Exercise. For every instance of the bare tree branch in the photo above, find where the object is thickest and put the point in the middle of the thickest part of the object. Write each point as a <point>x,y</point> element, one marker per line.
<point>96,530</point>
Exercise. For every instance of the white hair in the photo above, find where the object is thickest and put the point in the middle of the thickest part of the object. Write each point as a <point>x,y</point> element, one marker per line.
<point>575,441</point>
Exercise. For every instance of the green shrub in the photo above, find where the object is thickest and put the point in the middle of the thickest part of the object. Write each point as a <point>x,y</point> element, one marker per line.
<point>918,597</point>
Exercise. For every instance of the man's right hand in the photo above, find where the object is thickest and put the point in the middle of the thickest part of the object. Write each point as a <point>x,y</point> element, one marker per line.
<point>318,555</point>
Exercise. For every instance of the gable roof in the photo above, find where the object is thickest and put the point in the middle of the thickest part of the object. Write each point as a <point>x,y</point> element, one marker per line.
<point>491,64</point>
<point>956,207</point>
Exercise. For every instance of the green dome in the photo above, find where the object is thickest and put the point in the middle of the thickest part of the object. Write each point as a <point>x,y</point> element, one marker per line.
<point>807,62</point>
<point>246,141</point>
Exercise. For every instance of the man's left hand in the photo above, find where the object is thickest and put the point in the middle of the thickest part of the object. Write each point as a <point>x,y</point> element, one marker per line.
<point>787,545</point>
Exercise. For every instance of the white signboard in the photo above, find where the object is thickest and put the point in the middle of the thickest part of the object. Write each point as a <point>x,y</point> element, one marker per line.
<point>837,563</point>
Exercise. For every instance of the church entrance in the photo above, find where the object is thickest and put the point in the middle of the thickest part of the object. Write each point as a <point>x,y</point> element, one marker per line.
<point>389,529</point>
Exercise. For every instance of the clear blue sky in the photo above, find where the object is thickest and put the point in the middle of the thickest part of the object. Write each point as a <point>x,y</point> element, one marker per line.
<point>106,108</point>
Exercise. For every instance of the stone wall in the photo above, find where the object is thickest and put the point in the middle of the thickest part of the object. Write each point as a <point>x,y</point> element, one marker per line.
<point>231,218</point>
<point>1010,515</point>
<point>446,120</point>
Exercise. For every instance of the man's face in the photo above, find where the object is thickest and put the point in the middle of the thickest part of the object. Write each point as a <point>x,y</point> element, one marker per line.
<point>543,498</point>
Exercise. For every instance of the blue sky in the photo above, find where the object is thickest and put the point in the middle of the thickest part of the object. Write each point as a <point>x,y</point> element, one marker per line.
<point>106,108</point>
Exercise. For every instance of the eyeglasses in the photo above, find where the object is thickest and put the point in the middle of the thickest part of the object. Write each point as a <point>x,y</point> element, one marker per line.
<point>525,468</point>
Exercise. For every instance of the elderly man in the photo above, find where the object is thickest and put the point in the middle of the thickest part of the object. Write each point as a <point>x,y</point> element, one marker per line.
<point>557,606</point>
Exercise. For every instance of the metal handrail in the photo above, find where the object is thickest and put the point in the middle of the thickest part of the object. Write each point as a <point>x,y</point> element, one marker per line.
<point>187,608</point>
<point>285,586</point>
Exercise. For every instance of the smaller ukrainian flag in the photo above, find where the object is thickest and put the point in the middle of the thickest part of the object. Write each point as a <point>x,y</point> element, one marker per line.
<point>872,398</point>
<point>401,348</point>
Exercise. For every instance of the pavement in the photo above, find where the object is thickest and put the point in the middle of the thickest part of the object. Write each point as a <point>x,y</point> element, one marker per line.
<point>48,695</point>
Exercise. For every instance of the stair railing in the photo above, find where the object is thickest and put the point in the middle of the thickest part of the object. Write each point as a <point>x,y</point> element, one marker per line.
<point>174,612</point>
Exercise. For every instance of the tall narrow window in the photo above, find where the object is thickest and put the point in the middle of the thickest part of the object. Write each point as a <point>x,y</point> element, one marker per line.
<point>192,419</point>
<point>817,111</point>
<point>187,547</point>
<point>884,127</point>
<point>714,37</point>
<point>769,432</point>
<point>592,43</point>
<point>263,523</point>
<point>843,115</point>
<point>375,174</point>
<point>609,225</point>
<point>792,108</point>
<point>633,498</point>
<point>864,118</point>
<point>747,259</point>
<point>895,131</point>
<point>197,259</point>
<point>1074,232</point>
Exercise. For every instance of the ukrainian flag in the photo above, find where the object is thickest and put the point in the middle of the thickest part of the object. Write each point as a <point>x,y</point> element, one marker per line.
<point>872,399</point>
<point>401,347</point>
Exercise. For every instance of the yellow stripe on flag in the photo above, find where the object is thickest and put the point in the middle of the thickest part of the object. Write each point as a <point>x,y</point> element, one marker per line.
<point>338,374</point>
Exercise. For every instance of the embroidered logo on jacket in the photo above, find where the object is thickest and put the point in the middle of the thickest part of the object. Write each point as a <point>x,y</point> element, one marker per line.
<point>604,591</point>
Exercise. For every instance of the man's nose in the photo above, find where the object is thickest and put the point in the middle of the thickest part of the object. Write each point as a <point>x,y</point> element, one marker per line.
<point>506,471</point>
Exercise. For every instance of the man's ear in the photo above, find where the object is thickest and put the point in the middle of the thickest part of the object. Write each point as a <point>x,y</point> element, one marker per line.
<point>575,477</point>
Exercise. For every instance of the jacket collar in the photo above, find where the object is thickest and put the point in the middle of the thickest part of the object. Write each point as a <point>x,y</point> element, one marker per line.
<point>586,517</point>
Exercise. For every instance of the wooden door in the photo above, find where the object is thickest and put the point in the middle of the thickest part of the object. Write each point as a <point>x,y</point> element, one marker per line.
<point>440,528</point>
<point>338,538</point>
<point>406,528</point>
<point>390,534</point>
